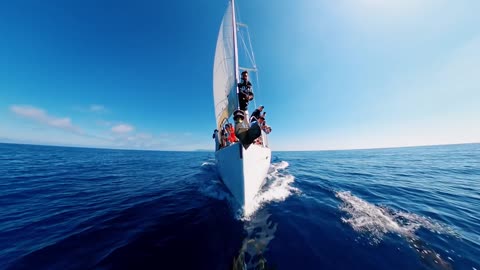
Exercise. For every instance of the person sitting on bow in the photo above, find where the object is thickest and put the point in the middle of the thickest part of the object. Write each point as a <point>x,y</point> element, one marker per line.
<point>244,133</point>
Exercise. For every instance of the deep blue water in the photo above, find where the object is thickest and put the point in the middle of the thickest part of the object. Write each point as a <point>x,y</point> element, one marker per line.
<point>77,208</point>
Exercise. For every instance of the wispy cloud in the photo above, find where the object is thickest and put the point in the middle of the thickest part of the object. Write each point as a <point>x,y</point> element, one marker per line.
<point>122,128</point>
<point>97,108</point>
<point>106,134</point>
<point>178,141</point>
<point>92,108</point>
<point>41,116</point>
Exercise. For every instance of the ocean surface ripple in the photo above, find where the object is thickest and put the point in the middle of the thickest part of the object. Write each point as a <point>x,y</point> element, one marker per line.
<point>398,208</point>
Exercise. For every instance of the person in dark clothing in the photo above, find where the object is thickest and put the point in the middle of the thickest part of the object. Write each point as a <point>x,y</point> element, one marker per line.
<point>244,133</point>
<point>245,85</point>
<point>245,92</point>
<point>217,139</point>
<point>258,121</point>
<point>243,99</point>
<point>257,113</point>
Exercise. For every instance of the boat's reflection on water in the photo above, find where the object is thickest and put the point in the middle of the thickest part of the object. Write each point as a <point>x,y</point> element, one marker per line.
<point>260,232</point>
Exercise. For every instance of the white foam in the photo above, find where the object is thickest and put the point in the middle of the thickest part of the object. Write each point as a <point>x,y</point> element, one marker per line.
<point>208,163</point>
<point>282,165</point>
<point>276,189</point>
<point>379,220</point>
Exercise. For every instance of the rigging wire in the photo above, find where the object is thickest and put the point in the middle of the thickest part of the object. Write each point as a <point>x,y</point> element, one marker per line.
<point>248,51</point>
<point>247,47</point>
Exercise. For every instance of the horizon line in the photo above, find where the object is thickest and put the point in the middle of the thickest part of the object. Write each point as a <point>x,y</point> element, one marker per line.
<point>207,150</point>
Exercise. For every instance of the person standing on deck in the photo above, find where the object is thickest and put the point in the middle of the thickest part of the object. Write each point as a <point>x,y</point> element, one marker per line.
<point>245,93</point>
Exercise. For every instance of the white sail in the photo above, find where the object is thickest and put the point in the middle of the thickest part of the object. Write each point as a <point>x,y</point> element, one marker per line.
<point>224,81</point>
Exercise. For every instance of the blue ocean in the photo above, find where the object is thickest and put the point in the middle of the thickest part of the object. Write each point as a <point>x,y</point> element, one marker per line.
<point>80,208</point>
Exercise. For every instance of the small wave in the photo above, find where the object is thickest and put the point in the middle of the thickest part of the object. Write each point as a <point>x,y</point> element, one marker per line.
<point>208,163</point>
<point>282,165</point>
<point>209,166</point>
<point>379,220</point>
<point>277,188</point>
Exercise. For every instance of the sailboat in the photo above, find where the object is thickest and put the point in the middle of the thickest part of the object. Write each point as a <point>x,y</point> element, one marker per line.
<point>242,168</point>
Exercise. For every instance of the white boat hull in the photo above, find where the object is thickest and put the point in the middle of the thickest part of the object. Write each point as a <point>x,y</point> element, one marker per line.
<point>243,170</point>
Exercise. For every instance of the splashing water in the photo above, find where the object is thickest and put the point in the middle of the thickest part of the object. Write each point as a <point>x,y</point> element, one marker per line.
<point>277,188</point>
<point>378,220</point>
<point>207,163</point>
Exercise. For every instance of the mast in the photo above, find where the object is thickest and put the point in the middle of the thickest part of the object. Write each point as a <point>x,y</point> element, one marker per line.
<point>235,49</point>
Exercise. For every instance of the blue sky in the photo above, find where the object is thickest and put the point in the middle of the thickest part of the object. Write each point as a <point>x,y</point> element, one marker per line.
<point>333,74</point>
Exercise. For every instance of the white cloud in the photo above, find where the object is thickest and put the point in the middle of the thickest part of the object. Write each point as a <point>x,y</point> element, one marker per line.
<point>41,116</point>
<point>120,136</point>
<point>122,128</point>
<point>92,108</point>
<point>28,111</point>
<point>97,108</point>
<point>61,123</point>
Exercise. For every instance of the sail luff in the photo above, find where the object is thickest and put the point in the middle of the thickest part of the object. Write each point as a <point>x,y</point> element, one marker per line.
<point>224,71</point>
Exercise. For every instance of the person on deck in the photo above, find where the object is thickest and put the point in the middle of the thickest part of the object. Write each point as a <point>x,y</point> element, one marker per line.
<point>266,128</point>
<point>223,138</point>
<point>215,136</point>
<point>244,133</point>
<point>258,121</point>
<point>231,133</point>
<point>243,99</point>
<point>245,85</point>
<point>257,113</point>
<point>245,92</point>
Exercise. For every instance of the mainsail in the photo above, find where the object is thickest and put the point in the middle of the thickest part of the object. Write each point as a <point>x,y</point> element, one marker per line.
<point>224,70</point>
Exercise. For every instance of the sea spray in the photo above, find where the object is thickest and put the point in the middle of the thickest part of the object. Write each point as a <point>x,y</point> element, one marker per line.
<point>278,187</point>
<point>377,221</point>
